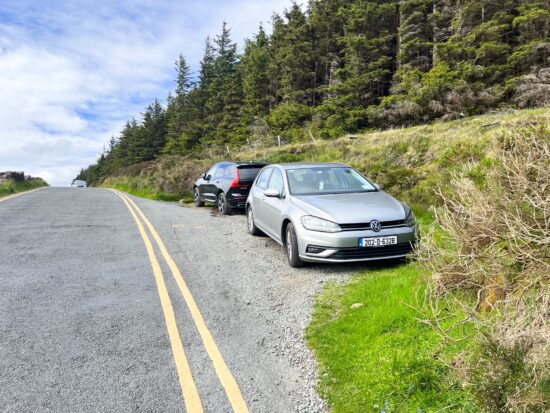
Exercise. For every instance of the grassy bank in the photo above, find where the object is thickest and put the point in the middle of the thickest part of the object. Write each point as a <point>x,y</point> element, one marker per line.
<point>408,162</point>
<point>137,188</point>
<point>11,187</point>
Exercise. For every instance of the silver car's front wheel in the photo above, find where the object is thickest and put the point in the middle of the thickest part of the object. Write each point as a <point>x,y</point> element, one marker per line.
<point>291,244</point>
<point>252,228</point>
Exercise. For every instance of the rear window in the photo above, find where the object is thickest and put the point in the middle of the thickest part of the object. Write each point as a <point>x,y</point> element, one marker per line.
<point>249,173</point>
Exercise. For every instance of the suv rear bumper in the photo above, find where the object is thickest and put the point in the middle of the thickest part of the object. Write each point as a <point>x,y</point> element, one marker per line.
<point>237,201</point>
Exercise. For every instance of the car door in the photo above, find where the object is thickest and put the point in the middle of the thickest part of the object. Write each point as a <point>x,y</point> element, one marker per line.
<point>218,180</point>
<point>274,208</point>
<point>258,196</point>
<point>208,188</point>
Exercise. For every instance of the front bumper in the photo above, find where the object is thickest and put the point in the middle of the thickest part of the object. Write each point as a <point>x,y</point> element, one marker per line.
<point>344,246</point>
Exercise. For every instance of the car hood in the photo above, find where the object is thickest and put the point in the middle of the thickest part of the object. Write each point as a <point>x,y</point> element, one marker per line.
<point>352,208</point>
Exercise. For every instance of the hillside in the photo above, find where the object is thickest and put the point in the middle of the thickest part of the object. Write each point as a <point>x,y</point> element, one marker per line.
<point>13,182</point>
<point>408,162</point>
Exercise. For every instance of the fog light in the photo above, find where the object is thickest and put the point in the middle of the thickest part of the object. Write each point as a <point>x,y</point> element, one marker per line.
<point>314,250</point>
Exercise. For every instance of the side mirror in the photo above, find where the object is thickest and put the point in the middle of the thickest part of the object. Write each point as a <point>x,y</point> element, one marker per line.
<point>208,177</point>
<point>272,193</point>
<point>379,187</point>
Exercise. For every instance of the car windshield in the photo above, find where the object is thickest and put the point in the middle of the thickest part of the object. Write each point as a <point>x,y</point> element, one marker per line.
<point>326,180</point>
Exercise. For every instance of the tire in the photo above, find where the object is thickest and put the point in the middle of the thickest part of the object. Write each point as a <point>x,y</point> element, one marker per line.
<point>252,228</point>
<point>291,246</point>
<point>223,207</point>
<point>197,196</point>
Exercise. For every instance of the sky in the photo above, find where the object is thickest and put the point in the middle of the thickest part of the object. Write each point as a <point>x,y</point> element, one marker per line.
<point>72,72</point>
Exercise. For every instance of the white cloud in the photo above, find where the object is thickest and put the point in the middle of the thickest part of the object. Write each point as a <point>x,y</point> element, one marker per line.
<point>73,72</point>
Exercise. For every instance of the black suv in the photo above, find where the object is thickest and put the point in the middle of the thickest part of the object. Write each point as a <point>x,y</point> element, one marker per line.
<point>227,184</point>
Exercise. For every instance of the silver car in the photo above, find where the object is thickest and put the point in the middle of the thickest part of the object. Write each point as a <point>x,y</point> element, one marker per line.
<point>328,212</point>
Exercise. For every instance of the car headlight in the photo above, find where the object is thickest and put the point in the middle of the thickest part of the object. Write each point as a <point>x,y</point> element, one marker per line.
<point>319,224</point>
<point>410,219</point>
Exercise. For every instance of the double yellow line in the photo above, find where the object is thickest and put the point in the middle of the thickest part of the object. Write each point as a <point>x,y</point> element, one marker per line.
<point>189,389</point>
<point>20,193</point>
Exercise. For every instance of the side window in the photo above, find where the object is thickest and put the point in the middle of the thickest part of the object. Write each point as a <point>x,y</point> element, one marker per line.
<point>229,171</point>
<point>263,180</point>
<point>211,171</point>
<point>276,181</point>
<point>220,171</point>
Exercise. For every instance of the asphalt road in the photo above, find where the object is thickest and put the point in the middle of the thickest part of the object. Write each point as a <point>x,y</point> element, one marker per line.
<point>84,324</point>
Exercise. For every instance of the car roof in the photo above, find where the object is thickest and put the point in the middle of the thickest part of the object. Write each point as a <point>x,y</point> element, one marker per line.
<point>302,165</point>
<point>238,163</point>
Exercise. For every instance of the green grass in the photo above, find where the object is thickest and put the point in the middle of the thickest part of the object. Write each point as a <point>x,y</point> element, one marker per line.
<point>11,187</point>
<point>379,357</point>
<point>148,192</point>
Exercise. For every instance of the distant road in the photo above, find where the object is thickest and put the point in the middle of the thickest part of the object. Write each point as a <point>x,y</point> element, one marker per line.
<point>114,303</point>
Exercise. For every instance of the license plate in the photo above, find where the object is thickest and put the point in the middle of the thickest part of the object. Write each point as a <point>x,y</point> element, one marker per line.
<point>377,241</point>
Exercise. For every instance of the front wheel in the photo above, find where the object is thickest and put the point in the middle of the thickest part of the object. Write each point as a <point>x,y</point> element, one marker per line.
<point>197,198</point>
<point>292,247</point>
<point>223,206</point>
<point>252,228</point>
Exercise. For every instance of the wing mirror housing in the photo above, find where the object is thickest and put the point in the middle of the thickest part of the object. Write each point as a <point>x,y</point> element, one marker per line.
<point>272,193</point>
<point>208,177</point>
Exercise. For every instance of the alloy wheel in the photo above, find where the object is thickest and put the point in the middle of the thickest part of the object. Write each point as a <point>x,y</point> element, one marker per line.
<point>289,244</point>
<point>250,220</point>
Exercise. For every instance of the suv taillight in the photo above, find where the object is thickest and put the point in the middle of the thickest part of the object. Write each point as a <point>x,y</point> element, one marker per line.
<point>235,182</point>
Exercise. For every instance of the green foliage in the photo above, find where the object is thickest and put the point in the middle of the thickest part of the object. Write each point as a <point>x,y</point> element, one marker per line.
<point>340,67</point>
<point>374,355</point>
<point>499,373</point>
<point>12,186</point>
<point>287,120</point>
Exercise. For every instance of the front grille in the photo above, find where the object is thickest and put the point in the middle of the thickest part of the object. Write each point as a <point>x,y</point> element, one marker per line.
<point>364,226</point>
<point>379,252</point>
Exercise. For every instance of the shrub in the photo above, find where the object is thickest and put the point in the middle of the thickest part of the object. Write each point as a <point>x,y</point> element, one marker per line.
<point>534,89</point>
<point>494,242</point>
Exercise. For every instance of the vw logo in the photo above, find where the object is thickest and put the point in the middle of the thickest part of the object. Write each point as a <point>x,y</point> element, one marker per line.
<point>375,225</point>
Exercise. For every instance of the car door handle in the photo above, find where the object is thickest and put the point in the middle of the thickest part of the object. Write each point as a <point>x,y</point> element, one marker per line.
<point>217,182</point>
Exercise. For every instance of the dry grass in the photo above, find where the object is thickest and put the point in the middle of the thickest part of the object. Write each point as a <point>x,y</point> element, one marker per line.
<point>494,242</point>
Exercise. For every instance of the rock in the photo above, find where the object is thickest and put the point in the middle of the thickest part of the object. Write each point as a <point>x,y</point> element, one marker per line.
<point>356,305</point>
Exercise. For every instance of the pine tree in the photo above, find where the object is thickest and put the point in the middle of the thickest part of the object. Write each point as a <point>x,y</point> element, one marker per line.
<point>294,57</point>
<point>152,133</point>
<point>254,73</point>
<point>224,93</point>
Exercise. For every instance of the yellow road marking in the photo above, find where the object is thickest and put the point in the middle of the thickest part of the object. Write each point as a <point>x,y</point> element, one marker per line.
<point>224,374</point>
<point>20,193</point>
<point>189,389</point>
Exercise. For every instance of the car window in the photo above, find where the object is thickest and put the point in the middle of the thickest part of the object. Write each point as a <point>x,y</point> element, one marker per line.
<point>263,180</point>
<point>220,171</point>
<point>249,173</point>
<point>229,171</point>
<point>211,171</point>
<point>276,181</point>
